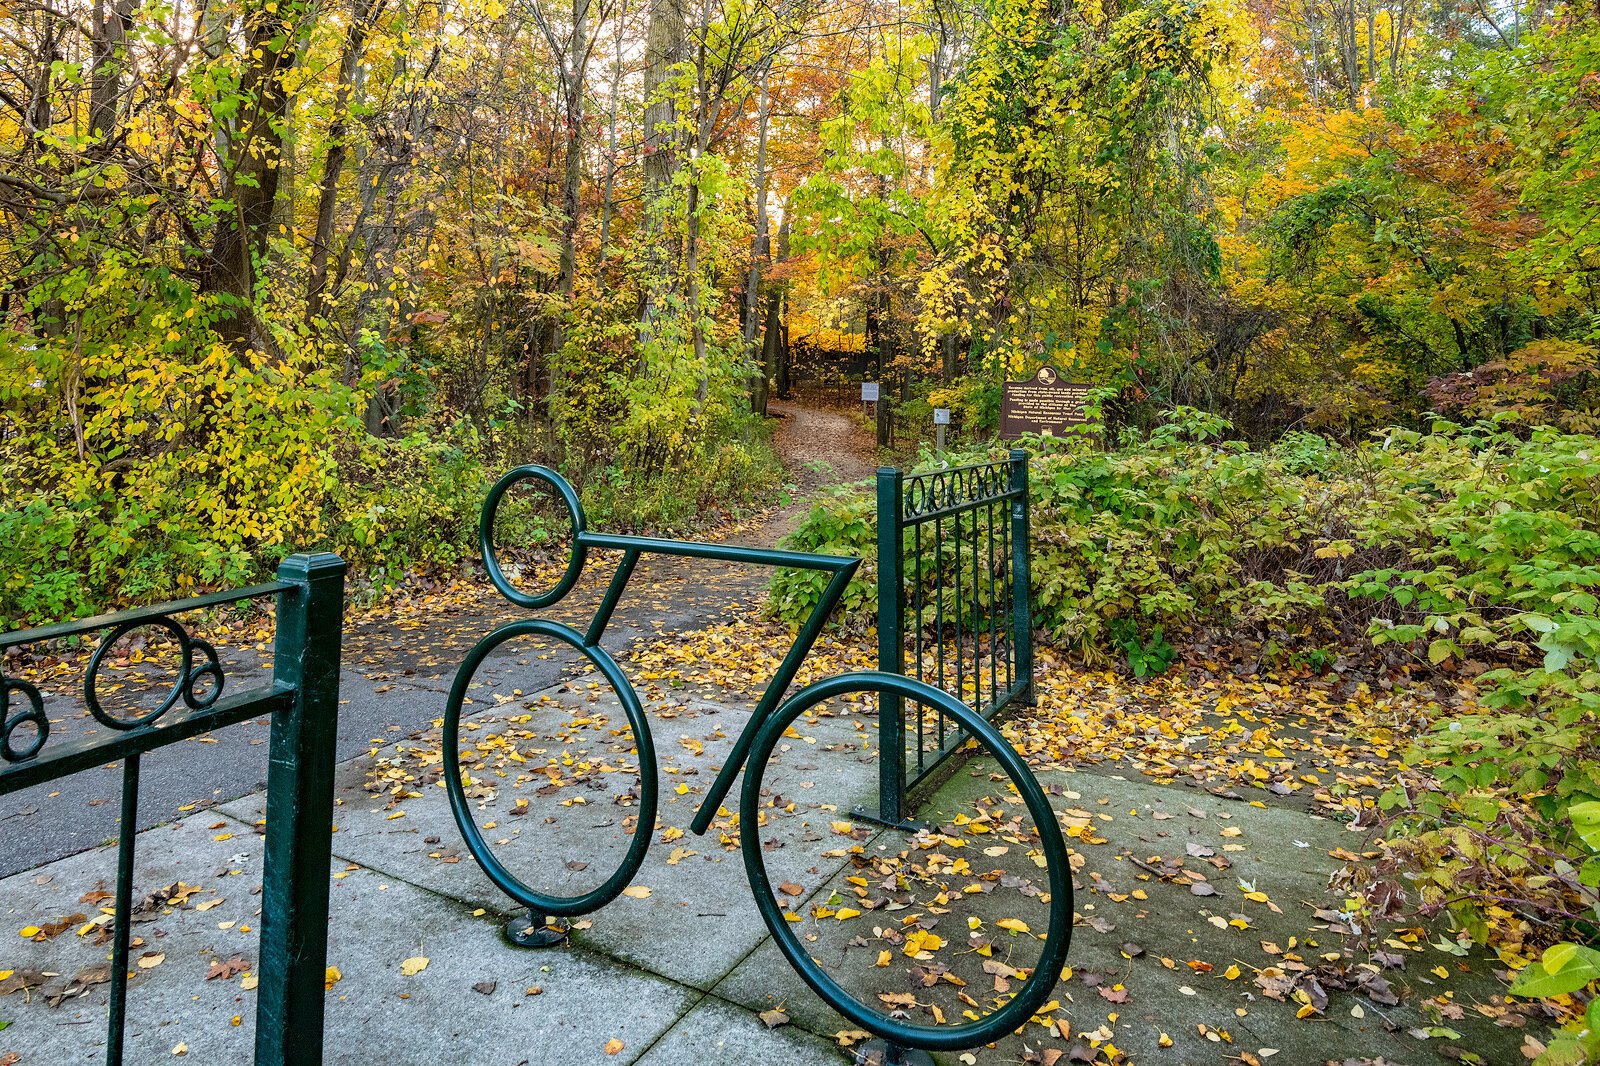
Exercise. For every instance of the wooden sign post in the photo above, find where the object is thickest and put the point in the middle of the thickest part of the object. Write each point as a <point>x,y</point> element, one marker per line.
<point>1042,404</point>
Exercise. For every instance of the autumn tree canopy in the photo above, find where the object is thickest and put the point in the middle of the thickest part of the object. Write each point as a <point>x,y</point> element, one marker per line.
<point>276,272</point>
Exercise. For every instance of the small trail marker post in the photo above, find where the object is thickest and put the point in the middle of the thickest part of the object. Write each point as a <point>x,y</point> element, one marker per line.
<point>869,395</point>
<point>941,419</point>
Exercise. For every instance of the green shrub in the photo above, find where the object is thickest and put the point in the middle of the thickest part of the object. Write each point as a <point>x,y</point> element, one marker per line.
<point>738,473</point>
<point>1462,546</point>
<point>842,521</point>
<point>409,502</point>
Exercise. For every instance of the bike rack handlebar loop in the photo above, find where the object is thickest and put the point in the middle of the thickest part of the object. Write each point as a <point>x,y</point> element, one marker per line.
<point>488,550</point>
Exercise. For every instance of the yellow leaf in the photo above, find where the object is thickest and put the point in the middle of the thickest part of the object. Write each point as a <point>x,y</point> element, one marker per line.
<point>1441,973</point>
<point>151,961</point>
<point>1231,973</point>
<point>847,912</point>
<point>28,932</point>
<point>1016,925</point>
<point>614,1045</point>
<point>883,960</point>
<point>331,977</point>
<point>636,892</point>
<point>413,966</point>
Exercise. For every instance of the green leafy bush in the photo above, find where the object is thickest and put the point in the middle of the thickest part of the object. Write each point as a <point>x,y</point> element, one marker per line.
<point>1464,548</point>
<point>843,521</point>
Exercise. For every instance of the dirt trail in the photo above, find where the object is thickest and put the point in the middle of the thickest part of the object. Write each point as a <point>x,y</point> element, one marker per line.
<point>821,449</point>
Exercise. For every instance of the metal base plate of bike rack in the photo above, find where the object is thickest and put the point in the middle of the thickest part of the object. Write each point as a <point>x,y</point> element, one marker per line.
<point>883,1053</point>
<point>534,930</point>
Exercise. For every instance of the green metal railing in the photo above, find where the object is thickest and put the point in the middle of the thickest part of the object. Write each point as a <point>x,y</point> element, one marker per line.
<point>953,611</point>
<point>303,702</point>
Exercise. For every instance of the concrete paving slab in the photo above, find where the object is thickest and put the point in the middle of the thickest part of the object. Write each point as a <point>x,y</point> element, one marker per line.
<point>1149,956</point>
<point>718,1032</point>
<point>471,1004</point>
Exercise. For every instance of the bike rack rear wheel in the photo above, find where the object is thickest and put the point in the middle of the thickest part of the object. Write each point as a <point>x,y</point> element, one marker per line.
<point>899,1035</point>
<point>533,931</point>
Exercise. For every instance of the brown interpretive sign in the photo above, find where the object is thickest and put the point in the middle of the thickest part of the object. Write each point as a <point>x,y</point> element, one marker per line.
<point>1042,404</point>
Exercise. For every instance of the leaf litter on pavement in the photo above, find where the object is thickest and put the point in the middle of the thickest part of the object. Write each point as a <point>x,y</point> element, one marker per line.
<point>1189,894</point>
<point>1179,894</point>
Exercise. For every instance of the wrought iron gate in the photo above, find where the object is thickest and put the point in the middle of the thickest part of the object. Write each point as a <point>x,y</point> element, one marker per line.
<point>953,610</point>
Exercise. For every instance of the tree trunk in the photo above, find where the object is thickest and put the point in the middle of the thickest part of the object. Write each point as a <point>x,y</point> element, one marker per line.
<point>333,161</point>
<point>666,44</point>
<point>759,251</point>
<point>107,53</point>
<point>251,169</point>
<point>611,141</point>
<point>577,64</point>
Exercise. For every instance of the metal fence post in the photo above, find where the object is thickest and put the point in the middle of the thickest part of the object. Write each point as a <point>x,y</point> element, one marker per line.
<point>891,645</point>
<point>294,925</point>
<point>1021,606</point>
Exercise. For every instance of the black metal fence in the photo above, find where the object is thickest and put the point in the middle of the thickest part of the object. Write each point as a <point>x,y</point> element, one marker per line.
<point>953,609</point>
<point>303,702</point>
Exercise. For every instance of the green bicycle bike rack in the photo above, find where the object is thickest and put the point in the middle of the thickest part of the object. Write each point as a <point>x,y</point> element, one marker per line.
<point>901,1041</point>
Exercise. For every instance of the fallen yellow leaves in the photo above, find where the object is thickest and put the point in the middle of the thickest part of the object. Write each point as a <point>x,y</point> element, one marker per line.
<point>920,943</point>
<point>636,892</point>
<point>613,1046</point>
<point>414,965</point>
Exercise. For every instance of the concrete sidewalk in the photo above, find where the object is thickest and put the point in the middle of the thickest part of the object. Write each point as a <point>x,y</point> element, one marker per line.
<point>682,970</point>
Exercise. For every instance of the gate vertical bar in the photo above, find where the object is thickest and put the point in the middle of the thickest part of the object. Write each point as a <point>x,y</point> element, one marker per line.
<point>294,925</point>
<point>891,644</point>
<point>1021,602</point>
<point>127,835</point>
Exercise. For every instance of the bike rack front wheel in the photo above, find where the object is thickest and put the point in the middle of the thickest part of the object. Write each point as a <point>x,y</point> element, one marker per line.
<point>1035,991</point>
<point>531,932</point>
